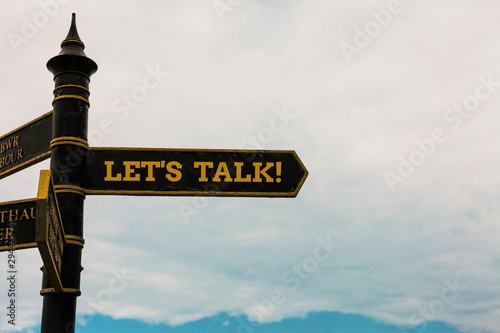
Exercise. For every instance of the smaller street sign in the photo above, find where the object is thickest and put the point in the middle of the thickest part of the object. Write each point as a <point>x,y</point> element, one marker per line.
<point>49,230</point>
<point>193,172</point>
<point>26,145</point>
<point>17,224</point>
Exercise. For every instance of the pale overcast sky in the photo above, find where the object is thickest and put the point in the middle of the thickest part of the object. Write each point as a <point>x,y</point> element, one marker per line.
<point>392,106</point>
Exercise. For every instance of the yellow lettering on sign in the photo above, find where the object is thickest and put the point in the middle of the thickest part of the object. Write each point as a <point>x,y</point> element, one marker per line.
<point>53,245</point>
<point>24,215</point>
<point>136,171</point>
<point>238,178</point>
<point>259,172</point>
<point>9,144</point>
<point>176,172</point>
<point>13,215</point>
<point>150,165</point>
<point>278,172</point>
<point>11,158</point>
<point>130,170</point>
<point>203,169</point>
<point>222,170</point>
<point>33,215</point>
<point>5,234</point>
<point>2,213</point>
<point>109,177</point>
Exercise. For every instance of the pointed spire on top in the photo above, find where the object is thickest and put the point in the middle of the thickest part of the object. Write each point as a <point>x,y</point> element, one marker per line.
<point>73,44</point>
<point>72,57</point>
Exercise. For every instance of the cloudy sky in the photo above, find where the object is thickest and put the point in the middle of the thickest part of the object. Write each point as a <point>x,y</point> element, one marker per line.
<point>391,105</point>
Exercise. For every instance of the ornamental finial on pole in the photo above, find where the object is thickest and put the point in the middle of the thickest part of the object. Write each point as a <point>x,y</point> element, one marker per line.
<point>73,44</point>
<point>72,56</point>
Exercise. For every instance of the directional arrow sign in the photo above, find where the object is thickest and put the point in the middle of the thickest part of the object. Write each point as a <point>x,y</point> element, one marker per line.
<point>193,172</point>
<point>49,230</point>
<point>25,146</point>
<point>17,224</point>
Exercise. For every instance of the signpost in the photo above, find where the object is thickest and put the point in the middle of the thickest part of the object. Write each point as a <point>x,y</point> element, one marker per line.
<point>17,224</point>
<point>49,230</point>
<point>191,172</point>
<point>25,146</point>
<point>54,223</point>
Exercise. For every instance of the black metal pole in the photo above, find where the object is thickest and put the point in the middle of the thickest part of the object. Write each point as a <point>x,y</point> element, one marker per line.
<point>72,70</point>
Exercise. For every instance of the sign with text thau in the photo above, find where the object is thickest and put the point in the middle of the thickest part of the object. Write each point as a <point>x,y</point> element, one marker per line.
<point>193,172</point>
<point>17,224</point>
